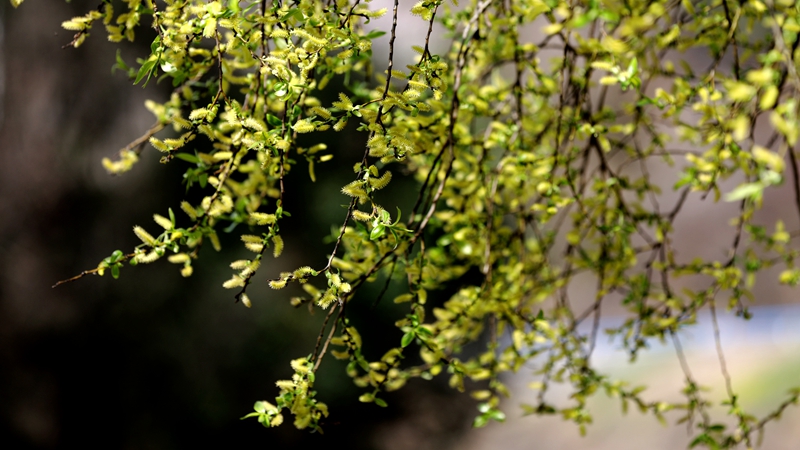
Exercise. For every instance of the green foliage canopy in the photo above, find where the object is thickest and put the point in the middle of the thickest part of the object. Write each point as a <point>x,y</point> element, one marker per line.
<point>531,140</point>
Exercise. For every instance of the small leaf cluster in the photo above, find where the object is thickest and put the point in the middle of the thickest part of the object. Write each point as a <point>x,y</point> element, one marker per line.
<point>297,396</point>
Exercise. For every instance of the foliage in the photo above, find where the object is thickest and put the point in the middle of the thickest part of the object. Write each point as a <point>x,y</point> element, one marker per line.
<point>531,139</point>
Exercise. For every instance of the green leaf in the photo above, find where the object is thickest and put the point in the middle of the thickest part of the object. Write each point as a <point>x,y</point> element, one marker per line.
<point>374,34</point>
<point>633,67</point>
<point>377,232</point>
<point>116,255</point>
<point>273,121</point>
<point>281,89</point>
<point>408,338</point>
<point>188,158</point>
<point>120,65</point>
<point>154,46</point>
<point>146,69</point>
<point>294,12</point>
<point>363,363</point>
<point>115,271</point>
<point>260,406</point>
<point>425,331</point>
<point>380,402</point>
<point>718,427</point>
<point>702,439</point>
<point>480,421</point>
<point>497,415</point>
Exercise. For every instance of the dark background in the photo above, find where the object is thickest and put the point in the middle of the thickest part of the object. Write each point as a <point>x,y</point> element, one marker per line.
<point>153,360</point>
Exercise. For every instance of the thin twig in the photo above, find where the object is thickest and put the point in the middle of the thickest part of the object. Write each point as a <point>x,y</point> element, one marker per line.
<point>322,330</point>
<point>328,340</point>
<point>718,341</point>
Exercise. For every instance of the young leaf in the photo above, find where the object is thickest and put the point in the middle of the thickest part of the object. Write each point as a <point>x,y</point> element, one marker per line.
<point>408,338</point>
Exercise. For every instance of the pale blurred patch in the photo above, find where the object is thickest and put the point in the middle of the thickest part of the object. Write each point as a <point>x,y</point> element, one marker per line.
<point>763,359</point>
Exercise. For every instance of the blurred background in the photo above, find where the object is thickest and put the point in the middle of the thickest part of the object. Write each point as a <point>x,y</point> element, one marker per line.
<point>156,361</point>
